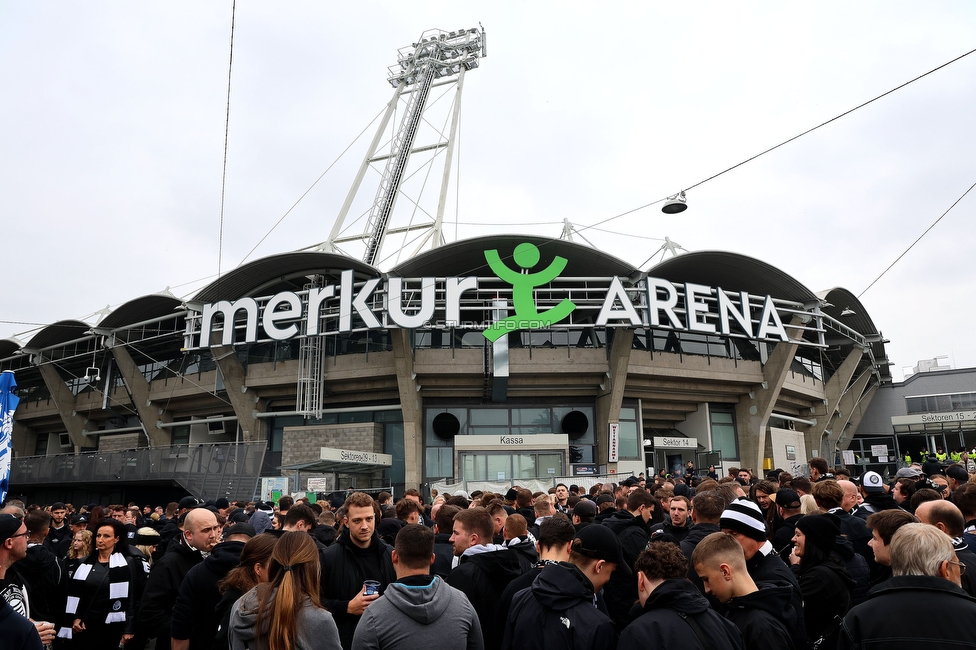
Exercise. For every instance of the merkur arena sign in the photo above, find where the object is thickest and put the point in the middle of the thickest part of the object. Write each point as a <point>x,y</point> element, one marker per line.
<point>444,303</point>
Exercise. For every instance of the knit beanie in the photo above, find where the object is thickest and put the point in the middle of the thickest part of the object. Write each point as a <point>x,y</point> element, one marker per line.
<point>821,530</point>
<point>744,516</point>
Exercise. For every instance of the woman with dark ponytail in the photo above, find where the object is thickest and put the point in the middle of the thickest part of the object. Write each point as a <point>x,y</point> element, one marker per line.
<point>285,613</point>
<point>252,571</point>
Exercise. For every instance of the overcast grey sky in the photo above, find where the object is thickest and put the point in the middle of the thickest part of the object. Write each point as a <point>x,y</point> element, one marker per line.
<point>112,127</point>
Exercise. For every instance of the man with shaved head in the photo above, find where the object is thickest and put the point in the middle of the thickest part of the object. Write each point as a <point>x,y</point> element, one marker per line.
<point>945,516</point>
<point>199,535</point>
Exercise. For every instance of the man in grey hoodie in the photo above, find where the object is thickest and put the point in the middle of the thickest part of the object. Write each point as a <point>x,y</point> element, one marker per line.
<point>418,609</point>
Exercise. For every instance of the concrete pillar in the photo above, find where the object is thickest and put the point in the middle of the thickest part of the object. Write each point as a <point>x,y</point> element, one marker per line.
<point>64,400</point>
<point>411,404</point>
<point>246,406</point>
<point>138,388</point>
<point>754,408</point>
<point>24,439</point>
<point>612,393</point>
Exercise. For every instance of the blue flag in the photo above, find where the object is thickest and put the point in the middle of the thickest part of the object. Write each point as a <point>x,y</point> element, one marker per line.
<point>8,404</point>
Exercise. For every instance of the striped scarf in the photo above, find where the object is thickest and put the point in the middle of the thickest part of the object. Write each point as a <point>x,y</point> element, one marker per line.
<point>118,592</point>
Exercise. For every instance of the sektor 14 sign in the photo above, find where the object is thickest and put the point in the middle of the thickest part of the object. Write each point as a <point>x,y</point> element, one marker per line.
<point>535,299</point>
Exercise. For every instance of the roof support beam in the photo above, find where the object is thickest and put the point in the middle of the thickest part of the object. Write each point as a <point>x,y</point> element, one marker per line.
<point>841,416</point>
<point>64,400</point>
<point>246,407</point>
<point>138,389</point>
<point>833,392</point>
<point>754,408</point>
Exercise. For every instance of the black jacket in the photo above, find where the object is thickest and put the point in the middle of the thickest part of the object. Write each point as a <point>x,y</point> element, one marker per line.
<point>697,533</point>
<point>856,531</point>
<point>527,554</point>
<point>931,465</point>
<point>18,632</point>
<point>770,570</point>
<point>676,534</point>
<point>826,590</point>
<point>876,502</point>
<point>324,535</point>
<point>42,574</point>
<point>58,540</point>
<point>443,555</point>
<point>557,613</point>
<point>602,516</point>
<point>676,615</point>
<point>621,590</point>
<point>918,612</point>
<point>162,588</point>
<point>758,616</point>
<point>195,610</point>
<point>483,576</point>
<point>783,537</point>
<point>344,568</point>
<point>857,568</point>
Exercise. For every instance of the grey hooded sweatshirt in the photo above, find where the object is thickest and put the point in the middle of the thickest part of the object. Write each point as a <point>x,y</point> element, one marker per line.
<point>316,628</point>
<point>419,612</point>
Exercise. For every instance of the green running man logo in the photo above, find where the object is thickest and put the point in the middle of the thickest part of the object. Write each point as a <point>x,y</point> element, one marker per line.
<point>527,316</point>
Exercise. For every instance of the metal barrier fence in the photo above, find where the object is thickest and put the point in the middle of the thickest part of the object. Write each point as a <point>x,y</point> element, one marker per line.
<point>209,470</point>
<point>533,484</point>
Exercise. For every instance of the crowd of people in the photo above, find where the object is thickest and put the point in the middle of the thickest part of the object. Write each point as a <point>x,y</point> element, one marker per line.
<point>692,561</point>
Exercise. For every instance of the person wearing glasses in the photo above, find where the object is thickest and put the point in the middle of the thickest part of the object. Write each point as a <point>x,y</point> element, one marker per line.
<point>925,586</point>
<point>13,592</point>
<point>945,516</point>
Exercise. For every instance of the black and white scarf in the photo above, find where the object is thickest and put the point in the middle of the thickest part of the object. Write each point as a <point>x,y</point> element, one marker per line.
<point>118,591</point>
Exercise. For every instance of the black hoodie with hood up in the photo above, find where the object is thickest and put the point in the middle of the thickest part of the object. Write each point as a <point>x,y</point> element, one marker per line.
<point>557,611</point>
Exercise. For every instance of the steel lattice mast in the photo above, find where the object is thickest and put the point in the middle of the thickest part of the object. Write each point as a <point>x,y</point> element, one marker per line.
<point>440,58</point>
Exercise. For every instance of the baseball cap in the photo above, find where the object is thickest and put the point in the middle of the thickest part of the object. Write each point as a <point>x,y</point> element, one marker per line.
<point>585,508</point>
<point>57,505</point>
<point>744,516</point>
<point>957,472</point>
<point>630,481</point>
<point>908,472</point>
<point>600,543</point>
<point>240,529</point>
<point>77,520</point>
<point>222,503</point>
<point>188,502</point>
<point>872,482</point>
<point>239,517</point>
<point>9,525</point>
<point>787,498</point>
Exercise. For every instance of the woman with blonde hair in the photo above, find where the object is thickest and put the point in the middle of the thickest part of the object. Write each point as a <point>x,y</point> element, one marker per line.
<point>285,613</point>
<point>81,547</point>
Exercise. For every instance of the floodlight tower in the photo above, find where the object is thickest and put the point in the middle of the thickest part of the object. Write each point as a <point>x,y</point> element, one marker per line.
<point>439,59</point>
